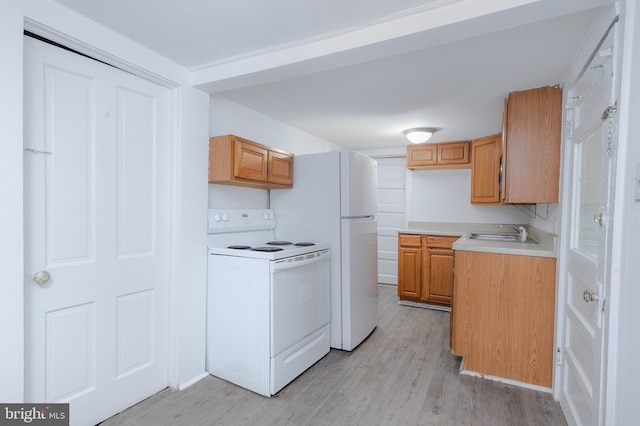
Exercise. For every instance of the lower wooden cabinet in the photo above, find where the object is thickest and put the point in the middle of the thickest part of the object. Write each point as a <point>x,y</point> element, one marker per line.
<point>437,283</point>
<point>425,268</point>
<point>502,319</point>
<point>409,266</point>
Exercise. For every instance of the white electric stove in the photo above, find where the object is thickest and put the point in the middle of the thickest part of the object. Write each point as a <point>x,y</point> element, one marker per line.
<point>268,301</point>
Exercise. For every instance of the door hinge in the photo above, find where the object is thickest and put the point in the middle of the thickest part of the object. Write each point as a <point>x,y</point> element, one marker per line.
<point>609,111</point>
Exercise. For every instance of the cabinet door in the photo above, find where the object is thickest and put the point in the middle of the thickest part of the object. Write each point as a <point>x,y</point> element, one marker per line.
<point>504,312</point>
<point>422,155</point>
<point>250,161</point>
<point>409,266</point>
<point>532,157</point>
<point>437,281</point>
<point>438,269</point>
<point>485,169</point>
<point>280,168</point>
<point>453,153</point>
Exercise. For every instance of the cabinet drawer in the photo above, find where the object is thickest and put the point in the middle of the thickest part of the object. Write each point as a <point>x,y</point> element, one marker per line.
<point>407,240</point>
<point>440,241</point>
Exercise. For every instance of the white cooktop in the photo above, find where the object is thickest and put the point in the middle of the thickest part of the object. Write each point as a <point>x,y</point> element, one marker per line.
<point>246,232</point>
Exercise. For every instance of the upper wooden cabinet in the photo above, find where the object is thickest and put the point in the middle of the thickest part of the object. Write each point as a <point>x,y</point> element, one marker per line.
<point>280,168</point>
<point>485,169</point>
<point>237,161</point>
<point>442,155</point>
<point>531,146</point>
<point>522,164</point>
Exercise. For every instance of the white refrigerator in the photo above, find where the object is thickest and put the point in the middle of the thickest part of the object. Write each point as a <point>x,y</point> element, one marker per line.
<point>334,200</point>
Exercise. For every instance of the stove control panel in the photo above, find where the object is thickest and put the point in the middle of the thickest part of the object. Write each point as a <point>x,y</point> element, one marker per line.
<point>240,220</point>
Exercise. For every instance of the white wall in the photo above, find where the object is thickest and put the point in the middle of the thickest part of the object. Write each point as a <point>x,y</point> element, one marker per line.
<point>548,218</point>
<point>228,117</point>
<point>444,196</point>
<point>11,245</point>
<point>189,238</point>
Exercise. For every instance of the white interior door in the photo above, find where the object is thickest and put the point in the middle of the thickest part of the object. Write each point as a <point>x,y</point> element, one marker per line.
<point>586,232</point>
<point>96,234</point>
<point>391,207</point>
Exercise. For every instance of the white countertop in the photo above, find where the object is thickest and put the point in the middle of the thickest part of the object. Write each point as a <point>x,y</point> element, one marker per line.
<point>545,247</point>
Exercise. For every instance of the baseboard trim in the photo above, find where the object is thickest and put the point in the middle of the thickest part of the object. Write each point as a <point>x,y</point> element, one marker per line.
<point>503,380</point>
<point>424,305</point>
<point>196,379</point>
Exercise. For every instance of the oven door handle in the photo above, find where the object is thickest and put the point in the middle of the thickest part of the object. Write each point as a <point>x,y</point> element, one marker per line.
<point>300,261</point>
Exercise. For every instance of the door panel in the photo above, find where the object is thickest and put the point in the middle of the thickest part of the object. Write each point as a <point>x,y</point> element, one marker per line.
<point>69,184</point>
<point>136,170</point>
<point>134,341</point>
<point>589,175</point>
<point>97,221</point>
<point>75,356</point>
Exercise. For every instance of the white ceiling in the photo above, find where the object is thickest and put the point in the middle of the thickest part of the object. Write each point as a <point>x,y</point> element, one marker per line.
<point>358,72</point>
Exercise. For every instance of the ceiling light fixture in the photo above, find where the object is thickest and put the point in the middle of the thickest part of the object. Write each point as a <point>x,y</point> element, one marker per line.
<point>419,134</point>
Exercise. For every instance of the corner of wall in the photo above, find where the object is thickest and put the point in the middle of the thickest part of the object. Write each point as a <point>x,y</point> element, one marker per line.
<point>11,194</point>
<point>189,233</point>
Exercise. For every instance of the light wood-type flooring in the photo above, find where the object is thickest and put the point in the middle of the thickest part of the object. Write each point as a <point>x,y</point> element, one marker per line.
<point>403,374</point>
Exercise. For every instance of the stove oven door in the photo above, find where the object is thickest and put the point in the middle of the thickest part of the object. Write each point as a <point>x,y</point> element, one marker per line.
<point>300,315</point>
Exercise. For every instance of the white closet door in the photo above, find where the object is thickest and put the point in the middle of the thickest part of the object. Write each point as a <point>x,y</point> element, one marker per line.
<point>391,210</point>
<point>96,234</point>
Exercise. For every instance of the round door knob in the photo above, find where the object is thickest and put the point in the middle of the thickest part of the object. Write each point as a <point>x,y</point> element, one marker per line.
<point>589,296</point>
<point>41,277</point>
<point>597,218</point>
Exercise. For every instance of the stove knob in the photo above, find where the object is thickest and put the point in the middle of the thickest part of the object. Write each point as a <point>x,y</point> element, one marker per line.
<point>216,217</point>
<point>265,215</point>
<point>225,217</point>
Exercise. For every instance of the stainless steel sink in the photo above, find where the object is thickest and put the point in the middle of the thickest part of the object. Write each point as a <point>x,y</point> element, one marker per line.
<point>508,238</point>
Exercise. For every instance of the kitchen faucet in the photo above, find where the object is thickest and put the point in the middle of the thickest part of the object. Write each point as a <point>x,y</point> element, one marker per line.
<point>522,232</point>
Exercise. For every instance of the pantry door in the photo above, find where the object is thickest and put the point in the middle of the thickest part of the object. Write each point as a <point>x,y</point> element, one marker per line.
<point>96,169</point>
<point>586,253</point>
<point>391,211</point>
